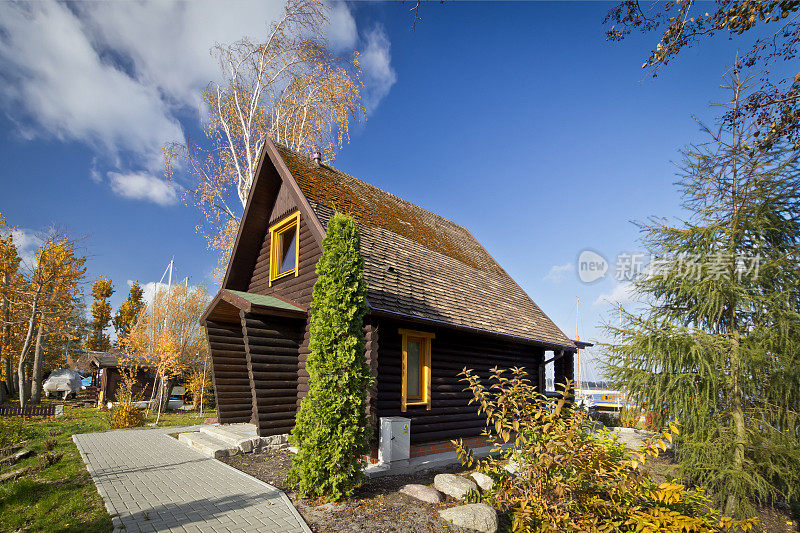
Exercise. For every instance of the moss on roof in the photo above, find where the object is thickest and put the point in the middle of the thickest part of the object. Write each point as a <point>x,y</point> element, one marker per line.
<point>371,205</point>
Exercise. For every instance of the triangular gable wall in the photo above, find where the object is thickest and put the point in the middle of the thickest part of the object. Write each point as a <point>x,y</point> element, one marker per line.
<point>273,183</point>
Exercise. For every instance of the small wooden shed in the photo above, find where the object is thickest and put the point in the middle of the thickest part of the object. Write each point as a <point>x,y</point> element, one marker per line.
<point>437,302</point>
<point>107,369</point>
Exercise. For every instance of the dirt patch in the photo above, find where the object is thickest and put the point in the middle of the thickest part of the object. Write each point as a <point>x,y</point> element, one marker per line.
<point>376,505</point>
<point>774,520</point>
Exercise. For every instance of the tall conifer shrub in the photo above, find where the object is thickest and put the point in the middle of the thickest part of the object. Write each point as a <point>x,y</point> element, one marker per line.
<point>332,431</point>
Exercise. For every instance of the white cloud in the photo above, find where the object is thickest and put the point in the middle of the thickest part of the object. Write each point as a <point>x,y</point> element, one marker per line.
<point>376,64</point>
<point>168,42</point>
<point>559,272</point>
<point>623,293</point>
<point>341,30</point>
<point>69,91</point>
<point>27,243</point>
<point>140,186</point>
<point>117,75</point>
<point>149,289</point>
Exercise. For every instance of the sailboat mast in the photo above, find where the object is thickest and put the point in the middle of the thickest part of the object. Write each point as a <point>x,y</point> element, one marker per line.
<point>578,352</point>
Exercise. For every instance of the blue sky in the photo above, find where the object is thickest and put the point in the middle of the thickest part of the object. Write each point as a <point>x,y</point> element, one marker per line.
<point>517,120</point>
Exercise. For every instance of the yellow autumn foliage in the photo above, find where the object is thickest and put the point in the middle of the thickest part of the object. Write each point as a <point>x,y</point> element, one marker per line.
<point>552,474</point>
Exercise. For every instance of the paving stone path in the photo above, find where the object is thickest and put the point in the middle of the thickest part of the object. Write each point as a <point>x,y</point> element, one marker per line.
<point>151,482</point>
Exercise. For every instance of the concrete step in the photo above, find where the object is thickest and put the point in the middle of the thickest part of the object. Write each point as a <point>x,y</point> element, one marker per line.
<point>208,445</point>
<point>236,439</point>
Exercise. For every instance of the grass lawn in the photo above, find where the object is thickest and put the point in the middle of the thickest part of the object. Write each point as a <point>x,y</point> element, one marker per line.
<point>62,497</point>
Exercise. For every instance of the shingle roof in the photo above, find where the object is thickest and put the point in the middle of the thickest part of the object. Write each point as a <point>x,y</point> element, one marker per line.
<point>420,264</point>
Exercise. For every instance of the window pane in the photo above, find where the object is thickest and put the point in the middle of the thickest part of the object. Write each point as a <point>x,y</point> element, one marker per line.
<point>412,360</point>
<point>288,244</point>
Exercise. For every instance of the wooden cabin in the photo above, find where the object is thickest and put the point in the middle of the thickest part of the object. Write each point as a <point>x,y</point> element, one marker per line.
<point>107,375</point>
<point>437,302</point>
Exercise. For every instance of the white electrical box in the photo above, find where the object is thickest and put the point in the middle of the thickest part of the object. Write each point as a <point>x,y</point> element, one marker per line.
<point>395,439</point>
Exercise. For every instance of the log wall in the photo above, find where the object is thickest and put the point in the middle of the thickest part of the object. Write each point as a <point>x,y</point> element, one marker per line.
<point>450,415</point>
<point>229,371</point>
<point>295,289</point>
<point>272,345</point>
<point>563,370</point>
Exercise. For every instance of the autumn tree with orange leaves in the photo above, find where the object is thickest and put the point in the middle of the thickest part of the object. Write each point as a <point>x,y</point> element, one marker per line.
<point>10,282</point>
<point>288,87</point>
<point>51,287</point>
<point>167,337</point>
<point>98,340</point>
<point>128,312</point>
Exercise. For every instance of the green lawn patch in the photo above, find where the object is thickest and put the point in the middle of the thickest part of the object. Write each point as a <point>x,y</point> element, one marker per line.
<point>62,497</point>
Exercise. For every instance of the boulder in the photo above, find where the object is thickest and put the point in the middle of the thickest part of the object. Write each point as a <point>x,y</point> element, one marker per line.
<point>453,485</point>
<point>483,481</point>
<point>423,493</point>
<point>475,516</point>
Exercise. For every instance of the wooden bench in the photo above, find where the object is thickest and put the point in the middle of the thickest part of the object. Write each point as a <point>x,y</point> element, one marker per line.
<point>30,410</point>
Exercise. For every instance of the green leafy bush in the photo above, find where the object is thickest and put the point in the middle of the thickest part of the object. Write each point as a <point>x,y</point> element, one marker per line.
<point>332,431</point>
<point>552,474</point>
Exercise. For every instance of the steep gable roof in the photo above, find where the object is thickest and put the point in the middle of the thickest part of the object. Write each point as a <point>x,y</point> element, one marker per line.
<point>373,206</point>
<point>419,264</point>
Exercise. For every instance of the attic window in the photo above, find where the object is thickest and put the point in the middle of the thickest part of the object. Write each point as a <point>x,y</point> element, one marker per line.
<point>284,250</point>
<point>416,371</point>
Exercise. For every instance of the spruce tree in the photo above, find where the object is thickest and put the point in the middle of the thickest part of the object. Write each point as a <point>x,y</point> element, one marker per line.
<point>717,342</point>
<point>332,431</point>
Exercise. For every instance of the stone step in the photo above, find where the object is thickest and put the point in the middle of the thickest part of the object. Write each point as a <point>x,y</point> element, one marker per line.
<point>208,445</point>
<point>243,443</point>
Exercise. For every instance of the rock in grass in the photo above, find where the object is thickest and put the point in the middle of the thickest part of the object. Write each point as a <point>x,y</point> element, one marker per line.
<point>422,493</point>
<point>475,516</point>
<point>483,481</point>
<point>453,485</point>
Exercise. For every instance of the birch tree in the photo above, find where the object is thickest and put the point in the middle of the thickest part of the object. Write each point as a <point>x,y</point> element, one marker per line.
<point>289,87</point>
<point>60,323</point>
<point>56,271</point>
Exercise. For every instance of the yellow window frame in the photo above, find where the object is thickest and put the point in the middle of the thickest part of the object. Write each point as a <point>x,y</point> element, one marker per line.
<point>275,232</point>
<point>424,338</point>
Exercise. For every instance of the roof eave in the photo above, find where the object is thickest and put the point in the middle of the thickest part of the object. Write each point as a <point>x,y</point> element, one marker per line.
<point>443,323</point>
<point>246,306</point>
